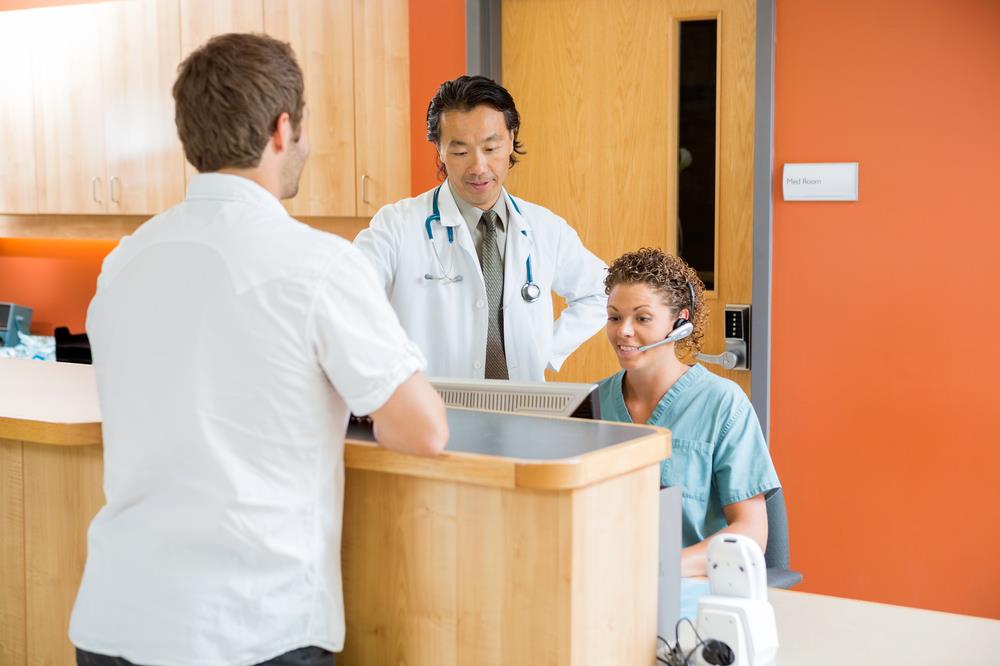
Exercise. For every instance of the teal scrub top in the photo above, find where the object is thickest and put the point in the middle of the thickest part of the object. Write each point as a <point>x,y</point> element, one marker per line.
<point>719,454</point>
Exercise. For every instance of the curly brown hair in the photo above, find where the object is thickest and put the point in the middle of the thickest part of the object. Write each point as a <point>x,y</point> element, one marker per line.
<point>669,276</point>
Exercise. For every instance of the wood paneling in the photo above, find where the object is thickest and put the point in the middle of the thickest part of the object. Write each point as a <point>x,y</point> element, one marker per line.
<point>381,103</point>
<point>596,84</point>
<point>201,20</point>
<point>140,49</point>
<point>611,622</point>
<point>734,267</point>
<point>320,32</point>
<point>115,226</point>
<point>589,79</point>
<point>62,493</point>
<point>69,121</point>
<point>18,192</point>
<point>13,649</point>
<point>520,576</point>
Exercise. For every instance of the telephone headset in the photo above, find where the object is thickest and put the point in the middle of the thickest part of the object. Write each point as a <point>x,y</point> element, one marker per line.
<point>713,652</point>
<point>682,327</point>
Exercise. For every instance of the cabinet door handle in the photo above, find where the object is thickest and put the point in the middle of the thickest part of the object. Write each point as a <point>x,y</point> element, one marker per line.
<point>94,182</point>
<point>115,199</point>
<point>364,189</point>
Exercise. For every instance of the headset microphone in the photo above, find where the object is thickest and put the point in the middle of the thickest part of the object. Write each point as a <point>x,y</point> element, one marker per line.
<point>682,327</point>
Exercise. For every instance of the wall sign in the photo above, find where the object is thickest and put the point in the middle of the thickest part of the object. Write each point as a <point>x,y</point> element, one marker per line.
<point>824,181</point>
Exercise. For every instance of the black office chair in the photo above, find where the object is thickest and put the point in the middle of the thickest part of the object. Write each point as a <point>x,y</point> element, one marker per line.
<point>776,555</point>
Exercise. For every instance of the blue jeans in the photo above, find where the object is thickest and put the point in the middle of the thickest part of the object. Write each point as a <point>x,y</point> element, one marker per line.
<point>307,656</point>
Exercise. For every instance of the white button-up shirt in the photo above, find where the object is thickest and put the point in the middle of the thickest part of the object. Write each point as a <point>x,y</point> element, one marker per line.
<point>229,343</point>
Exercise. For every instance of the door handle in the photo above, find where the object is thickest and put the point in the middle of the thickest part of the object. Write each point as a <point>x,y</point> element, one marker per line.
<point>364,189</point>
<point>726,359</point>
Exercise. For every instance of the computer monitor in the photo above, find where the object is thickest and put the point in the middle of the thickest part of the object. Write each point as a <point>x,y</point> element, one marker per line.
<point>539,398</point>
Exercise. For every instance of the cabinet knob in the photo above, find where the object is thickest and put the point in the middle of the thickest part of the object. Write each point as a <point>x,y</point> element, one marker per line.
<point>94,183</point>
<point>115,198</point>
<point>364,189</point>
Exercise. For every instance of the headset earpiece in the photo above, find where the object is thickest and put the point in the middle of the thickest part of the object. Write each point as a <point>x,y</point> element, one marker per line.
<point>683,327</point>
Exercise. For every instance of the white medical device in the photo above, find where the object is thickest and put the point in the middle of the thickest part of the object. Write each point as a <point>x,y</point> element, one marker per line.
<point>737,611</point>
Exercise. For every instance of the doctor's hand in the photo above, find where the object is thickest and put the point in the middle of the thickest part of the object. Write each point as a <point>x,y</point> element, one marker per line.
<point>413,419</point>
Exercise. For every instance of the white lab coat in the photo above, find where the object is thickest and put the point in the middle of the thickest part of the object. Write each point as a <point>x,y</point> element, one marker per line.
<point>448,320</point>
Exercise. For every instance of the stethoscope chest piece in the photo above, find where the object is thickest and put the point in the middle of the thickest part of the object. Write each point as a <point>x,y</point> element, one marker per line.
<point>530,292</point>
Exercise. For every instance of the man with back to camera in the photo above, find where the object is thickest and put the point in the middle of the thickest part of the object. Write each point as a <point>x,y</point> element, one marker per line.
<point>469,269</point>
<point>229,343</point>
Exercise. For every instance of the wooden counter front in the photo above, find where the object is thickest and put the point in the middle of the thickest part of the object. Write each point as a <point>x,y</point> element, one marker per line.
<point>529,541</point>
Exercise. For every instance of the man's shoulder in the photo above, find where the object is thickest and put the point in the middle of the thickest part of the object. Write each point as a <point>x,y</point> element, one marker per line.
<point>307,246</point>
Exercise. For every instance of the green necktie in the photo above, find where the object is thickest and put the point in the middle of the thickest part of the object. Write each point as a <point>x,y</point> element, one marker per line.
<point>492,265</point>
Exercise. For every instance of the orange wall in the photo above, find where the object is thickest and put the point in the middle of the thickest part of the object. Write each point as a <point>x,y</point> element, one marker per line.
<point>886,311</point>
<point>433,60</point>
<point>57,278</point>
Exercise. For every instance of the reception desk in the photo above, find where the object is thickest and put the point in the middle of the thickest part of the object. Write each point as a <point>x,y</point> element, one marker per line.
<point>531,540</point>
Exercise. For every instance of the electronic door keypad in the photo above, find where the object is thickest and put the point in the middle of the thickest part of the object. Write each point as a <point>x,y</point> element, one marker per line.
<point>737,331</point>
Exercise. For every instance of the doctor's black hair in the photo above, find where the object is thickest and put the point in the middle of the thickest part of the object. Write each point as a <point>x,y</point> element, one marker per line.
<point>464,94</point>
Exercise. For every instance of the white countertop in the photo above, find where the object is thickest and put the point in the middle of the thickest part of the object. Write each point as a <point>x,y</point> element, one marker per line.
<point>817,630</point>
<point>69,390</point>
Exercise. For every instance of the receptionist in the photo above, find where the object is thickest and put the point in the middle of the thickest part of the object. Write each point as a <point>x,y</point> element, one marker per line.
<point>657,316</point>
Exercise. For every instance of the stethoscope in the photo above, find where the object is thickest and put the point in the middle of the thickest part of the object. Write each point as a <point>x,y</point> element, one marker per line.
<point>530,291</point>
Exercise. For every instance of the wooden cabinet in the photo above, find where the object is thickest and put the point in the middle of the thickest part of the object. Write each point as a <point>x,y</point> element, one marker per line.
<point>69,125</point>
<point>355,59</point>
<point>381,102</point>
<point>89,117</point>
<point>104,132</point>
<point>320,33</point>
<point>18,191</point>
<point>139,54</point>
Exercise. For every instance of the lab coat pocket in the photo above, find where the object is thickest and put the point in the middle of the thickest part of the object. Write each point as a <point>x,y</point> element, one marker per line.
<point>689,466</point>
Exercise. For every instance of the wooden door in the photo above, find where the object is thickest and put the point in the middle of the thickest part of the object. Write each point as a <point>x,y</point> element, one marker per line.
<point>203,19</point>
<point>18,190</point>
<point>598,87</point>
<point>320,32</point>
<point>140,49</point>
<point>381,103</point>
<point>69,121</point>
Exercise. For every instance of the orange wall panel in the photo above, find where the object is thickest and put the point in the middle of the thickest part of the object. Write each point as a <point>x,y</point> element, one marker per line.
<point>56,278</point>
<point>885,311</point>
<point>437,54</point>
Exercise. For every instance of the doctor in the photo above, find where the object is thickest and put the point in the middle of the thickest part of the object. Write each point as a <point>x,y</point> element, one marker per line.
<point>470,269</point>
